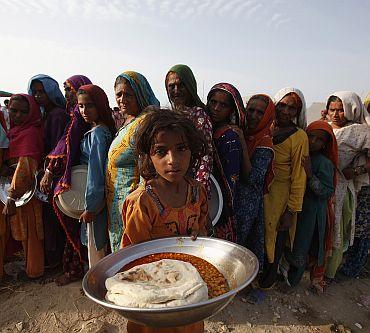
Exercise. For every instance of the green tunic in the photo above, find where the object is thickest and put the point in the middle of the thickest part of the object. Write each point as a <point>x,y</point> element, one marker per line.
<point>311,222</point>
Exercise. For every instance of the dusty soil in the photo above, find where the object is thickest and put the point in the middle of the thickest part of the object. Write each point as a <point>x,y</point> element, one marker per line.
<point>32,307</point>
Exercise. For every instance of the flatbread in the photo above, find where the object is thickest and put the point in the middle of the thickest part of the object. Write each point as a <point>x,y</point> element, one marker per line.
<point>163,283</point>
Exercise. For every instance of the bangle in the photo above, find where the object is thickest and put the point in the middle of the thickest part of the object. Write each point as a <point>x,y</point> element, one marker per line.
<point>10,198</point>
<point>359,170</point>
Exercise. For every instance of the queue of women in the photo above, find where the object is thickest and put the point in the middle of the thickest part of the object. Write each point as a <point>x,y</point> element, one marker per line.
<point>298,196</point>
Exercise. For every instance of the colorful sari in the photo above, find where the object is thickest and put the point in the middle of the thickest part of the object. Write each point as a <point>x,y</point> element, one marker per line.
<point>61,159</point>
<point>122,173</point>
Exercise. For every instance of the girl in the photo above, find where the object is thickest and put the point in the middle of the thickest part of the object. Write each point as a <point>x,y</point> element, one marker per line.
<point>226,110</point>
<point>315,223</point>
<point>94,108</point>
<point>169,202</point>
<point>26,143</point>
<point>285,197</point>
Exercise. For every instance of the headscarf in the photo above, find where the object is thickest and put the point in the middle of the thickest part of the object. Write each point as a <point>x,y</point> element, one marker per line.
<point>27,139</point>
<point>187,77</point>
<point>101,102</point>
<point>261,137</point>
<point>69,144</point>
<point>234,93</point>
<point>354,110</point>
<point>142,89</point>
<point>302,117</point>
<point>51,88</point>
<point>331,152</point>
<point>76,81</point>
<point>331,149</point>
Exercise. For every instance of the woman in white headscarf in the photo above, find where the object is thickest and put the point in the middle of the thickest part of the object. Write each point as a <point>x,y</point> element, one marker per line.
<point>350,121</point>
<point>285,197</point>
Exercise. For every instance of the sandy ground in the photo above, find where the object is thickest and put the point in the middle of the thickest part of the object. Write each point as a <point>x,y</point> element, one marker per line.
<point>32,307</point>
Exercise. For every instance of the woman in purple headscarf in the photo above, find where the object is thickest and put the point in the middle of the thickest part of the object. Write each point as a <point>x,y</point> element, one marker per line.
<point>56,180</point>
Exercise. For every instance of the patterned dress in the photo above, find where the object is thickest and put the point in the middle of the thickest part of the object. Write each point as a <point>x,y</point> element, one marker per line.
<point>202,122</point>
<point>122,178</point>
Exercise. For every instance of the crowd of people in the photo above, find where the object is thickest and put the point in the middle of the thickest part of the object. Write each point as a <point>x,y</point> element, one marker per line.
<point>296,195</point>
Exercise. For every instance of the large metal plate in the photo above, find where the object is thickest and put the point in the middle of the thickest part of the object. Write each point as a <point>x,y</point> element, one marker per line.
<point>5,183</point>
<point>238,264</point>
<point>216,203</point>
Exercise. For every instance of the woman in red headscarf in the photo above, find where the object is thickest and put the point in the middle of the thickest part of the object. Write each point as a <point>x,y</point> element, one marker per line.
<point>260,113</point>
<point>314,233</point>
<point>26,147</point>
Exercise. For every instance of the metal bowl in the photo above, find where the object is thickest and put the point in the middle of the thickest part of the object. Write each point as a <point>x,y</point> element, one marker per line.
<point>238,264</point>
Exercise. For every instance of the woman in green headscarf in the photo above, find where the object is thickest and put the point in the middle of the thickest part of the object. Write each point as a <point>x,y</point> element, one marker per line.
<point>181,89</point>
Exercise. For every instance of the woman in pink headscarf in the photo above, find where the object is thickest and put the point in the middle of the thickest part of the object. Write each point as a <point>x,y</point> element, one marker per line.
<point>26,147</point>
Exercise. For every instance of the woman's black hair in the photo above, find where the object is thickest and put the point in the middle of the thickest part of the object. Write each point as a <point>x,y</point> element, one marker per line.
<point>332,98</point>
<point>157,120</point>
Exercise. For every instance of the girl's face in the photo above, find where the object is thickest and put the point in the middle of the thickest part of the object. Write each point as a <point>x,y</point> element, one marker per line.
<point>69,93</point>
<point>254,112</point>
<point>18,112</point>
<point>126,99</point>
<point>39,93</point>
<point>220,107</point>
<point>177,92</point>
<point>286,111</point>
<point>317,140</point>
<point>171,156</point>
<point>88,109</point>
<point>336,114</point>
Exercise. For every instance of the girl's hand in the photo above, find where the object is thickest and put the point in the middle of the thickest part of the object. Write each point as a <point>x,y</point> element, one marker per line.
<point>286,220</point>
<point>306,163</point>
<point>9,208</point>
<point>87,217</point>
<point>45,184</point>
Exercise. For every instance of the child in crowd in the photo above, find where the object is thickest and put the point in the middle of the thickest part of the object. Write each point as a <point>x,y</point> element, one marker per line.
<point>94,108</point>
<point>169,202</point>
<point>313,238</point>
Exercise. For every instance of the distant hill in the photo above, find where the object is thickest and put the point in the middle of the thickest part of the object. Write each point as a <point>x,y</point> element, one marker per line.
<point>314,111</point>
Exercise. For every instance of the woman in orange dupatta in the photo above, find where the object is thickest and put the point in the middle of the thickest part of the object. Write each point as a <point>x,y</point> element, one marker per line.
<point>260,114</point>
<point>26,146</point>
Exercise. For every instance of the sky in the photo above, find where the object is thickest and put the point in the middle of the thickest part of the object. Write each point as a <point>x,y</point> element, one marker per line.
<point>260,46</point>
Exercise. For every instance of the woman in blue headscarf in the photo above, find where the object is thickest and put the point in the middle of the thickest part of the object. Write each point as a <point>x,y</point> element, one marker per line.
<point>133,94</point>
<point>52,103</point>
<point>53,108</point>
